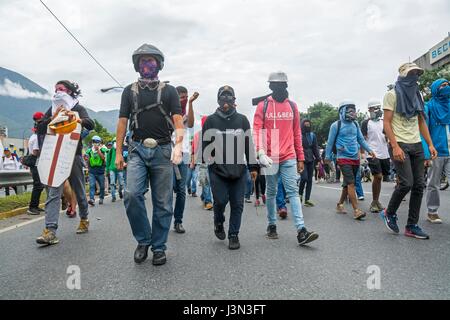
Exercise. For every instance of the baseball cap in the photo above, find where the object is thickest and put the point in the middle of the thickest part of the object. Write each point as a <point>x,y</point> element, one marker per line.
<point>225,89</point>
<point>407,67</point>
<point>38,115</point>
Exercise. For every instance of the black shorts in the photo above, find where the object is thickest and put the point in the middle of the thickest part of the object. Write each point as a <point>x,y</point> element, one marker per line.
<point>378,166</point>
<point>349,173</point>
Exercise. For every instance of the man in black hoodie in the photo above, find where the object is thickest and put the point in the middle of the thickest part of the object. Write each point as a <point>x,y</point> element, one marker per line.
<point>226,138</point>
<point>312,155</point>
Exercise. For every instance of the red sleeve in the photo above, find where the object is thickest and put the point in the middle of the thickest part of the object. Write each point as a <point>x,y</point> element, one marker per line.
<point>298,136</point>
<point>258,120</point>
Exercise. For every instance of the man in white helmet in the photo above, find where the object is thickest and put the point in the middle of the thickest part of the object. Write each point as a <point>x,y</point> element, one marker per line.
<point>278,140</point>
<point>344,140</point>
<point>373,132</point>
<point>153,108</point>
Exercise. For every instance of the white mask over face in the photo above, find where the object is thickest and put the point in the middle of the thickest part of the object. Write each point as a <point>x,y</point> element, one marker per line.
<point>61,98</point>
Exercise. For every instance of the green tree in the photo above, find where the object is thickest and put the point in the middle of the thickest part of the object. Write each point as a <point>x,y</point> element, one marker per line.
<point>100,131</point>
<point>322,116</point>
<point>429,77</point>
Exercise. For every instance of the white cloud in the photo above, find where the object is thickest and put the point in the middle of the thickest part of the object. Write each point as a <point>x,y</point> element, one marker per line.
<point>12,89</point>
<point>330,49</point>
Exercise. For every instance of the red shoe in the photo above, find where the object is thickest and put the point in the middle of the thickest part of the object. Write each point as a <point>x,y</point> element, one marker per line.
<point>282,213</point>
<point>263,198</point>
<point>71,213</point>
<point>257,203</point>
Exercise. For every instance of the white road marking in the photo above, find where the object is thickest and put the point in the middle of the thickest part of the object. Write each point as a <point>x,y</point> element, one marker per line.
<point>340,189</point>
<point>21,224</point>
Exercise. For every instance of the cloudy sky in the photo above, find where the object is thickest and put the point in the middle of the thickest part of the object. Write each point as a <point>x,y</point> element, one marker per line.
<point>331,49</point>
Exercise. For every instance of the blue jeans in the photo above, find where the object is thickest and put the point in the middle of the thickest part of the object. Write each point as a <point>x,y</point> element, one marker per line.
<point>358,185</point>
<point>248,184</point>
<point>179,187</point>
<point>154,164</point>
<point>116,176</point>
<point>281,195</point>
<point>191,180</point>
<point>96,174</point>
<point>287,170</point>
<point>206,195</point>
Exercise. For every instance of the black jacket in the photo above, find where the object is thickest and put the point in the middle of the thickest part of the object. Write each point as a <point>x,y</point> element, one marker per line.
<point>228,163</point>
<point>86,122</point>
<point>310,146</point>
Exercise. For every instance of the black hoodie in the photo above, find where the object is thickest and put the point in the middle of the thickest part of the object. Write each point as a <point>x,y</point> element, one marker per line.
<point>215,131</point>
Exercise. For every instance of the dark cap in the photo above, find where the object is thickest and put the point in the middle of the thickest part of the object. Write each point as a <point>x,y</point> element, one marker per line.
<point>225,89</point>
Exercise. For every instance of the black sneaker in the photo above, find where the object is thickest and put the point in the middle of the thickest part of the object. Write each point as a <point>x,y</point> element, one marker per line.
<point>113,200</point>
<point>304,236</point>
<point>179,228</point>
<point>100,201</point>
<point>120,195</point>
<point>140,254</point>
<point>159,258</point>
<point>219,231</point>
<point>40,209</point>
<point>91,202</point>
<point>272,232</point>
<point>33,211</point>
<point>233,243</point>
<point>390,221</point>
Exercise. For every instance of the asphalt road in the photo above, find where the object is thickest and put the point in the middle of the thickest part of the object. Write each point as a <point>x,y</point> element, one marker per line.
<point>201,267</point>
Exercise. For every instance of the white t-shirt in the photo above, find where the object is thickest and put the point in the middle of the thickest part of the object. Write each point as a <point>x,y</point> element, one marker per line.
<point>186,142</point>
<point>10,163</point>
<point>33,143</point>
<point>376,139</point>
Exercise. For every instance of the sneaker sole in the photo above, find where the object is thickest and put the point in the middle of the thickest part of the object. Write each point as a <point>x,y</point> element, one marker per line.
<point>272,237</point>
<point>47,243</point>
<point>360,217</point>
<point>159,263</point>
<point>311,238</point>
<point>234,248</point>
<point>82,232</point>
<point>435,221</point>
<point>410,235</point>
<point>220,237</point>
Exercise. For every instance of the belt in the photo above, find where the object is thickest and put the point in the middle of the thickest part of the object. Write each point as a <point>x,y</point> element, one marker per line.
<point>152,143</point>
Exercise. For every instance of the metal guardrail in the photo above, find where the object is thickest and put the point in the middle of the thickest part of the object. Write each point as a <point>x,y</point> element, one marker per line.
<point>14,178</point>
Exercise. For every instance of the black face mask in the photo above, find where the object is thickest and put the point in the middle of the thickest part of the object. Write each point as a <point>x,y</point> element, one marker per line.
<point>226,99</point>
<point>279,92</point>
<point>307,129</point>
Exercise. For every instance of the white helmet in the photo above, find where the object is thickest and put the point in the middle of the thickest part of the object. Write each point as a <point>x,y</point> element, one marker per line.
<point>278,76</point>
<point>346,103</point>
<point>374,104</point>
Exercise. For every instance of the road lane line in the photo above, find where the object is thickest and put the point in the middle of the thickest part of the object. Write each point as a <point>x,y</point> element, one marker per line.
<point>21,224</point>
<point>340,189</point>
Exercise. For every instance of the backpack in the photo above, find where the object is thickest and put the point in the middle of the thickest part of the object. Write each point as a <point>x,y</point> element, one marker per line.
<point>159,104</point>
<point>266,105</point>
<point>334,149</point>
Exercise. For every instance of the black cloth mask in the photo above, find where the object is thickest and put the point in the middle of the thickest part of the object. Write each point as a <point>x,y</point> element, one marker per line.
<point>279,92</point>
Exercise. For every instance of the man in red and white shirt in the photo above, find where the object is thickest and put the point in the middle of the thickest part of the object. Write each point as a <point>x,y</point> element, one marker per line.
<point>278,141</point>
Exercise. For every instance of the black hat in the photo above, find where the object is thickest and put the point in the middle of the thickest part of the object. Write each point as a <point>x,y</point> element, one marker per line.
<point>225,89</point>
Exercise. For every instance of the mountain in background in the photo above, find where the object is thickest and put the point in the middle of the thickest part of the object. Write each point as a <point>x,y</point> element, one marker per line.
<point>20,97</point>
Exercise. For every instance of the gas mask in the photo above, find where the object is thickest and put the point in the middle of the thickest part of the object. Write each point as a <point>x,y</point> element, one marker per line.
<point>350,113</point>
<point>226,98</point>
<point>376,114</point>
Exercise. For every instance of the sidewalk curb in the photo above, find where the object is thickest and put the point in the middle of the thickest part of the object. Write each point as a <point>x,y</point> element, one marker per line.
<point>15,212</point>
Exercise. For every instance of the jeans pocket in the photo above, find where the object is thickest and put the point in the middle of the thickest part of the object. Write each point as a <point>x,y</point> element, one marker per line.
<point>166,151</point>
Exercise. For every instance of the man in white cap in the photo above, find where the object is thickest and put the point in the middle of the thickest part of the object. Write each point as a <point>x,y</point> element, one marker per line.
<point>404,122</point>
<point>373,132</point>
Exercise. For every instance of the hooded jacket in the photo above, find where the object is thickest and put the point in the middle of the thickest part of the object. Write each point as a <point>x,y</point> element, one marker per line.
<point>310,147</point>
<point>440,133</point>
<point>227,161</point>
<point>348,141</point>
<point>279,116</point>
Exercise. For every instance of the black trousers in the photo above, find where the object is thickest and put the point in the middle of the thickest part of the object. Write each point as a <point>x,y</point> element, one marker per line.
<point>307,180</point>
<point>410,176</point>
<point>37,188</point>
<point>224,191</point>
<point>260,185</point>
